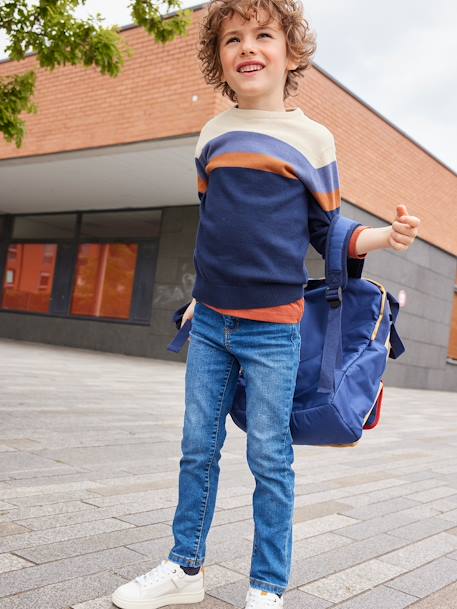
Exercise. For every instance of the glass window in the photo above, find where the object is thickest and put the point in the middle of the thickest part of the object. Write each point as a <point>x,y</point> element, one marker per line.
<point>121,224</point>
<point>44,226</point>
<point>29,277</point>
<point>104,280</point>
<point>84,264</point>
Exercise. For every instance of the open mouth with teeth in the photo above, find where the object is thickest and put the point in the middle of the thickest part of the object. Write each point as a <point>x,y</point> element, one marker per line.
<point>251,69</point>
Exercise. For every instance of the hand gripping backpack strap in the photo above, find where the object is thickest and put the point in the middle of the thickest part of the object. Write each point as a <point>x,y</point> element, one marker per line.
<point>336,277</point>
<point>178,342</point>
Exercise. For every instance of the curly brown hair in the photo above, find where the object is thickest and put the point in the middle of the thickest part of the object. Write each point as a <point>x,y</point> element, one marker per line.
<point>300,39</point>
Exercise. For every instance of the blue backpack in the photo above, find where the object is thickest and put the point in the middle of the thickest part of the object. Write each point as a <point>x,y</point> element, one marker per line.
<point>347,334</point>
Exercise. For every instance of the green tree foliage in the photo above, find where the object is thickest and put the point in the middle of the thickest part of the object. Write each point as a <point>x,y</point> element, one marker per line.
<point>49,29</point>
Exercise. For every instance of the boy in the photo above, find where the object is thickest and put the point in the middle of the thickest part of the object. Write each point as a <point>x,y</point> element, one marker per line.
<point>268,185</point>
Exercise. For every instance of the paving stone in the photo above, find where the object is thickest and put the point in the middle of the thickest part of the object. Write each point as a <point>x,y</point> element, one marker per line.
<point>9,562</point>
<point>421,552</point>
<point>74,547</point>
<point>225,550</point>
<point>125,489</point>
<point>402,490</point>
<point>443,505</point>
<point>4,448</point>
<point>420,512</point>
<point>349,582</point>
<point>313,568</point>
<point>323,508</point>
<point>312,546</point>
<point>99,603</point>
<point>155,549</point>
<point>379,509</point>
<point>12,493</point>
<point>14,582</point>
<point>380,597</point>
<point>350,480</point>
<point>423,528</point>
<point>418,475</point>
<point>157,499</point>
<point>426,579</point>
<point>37,511</point>
<point>233,593</point>
<point>309,528</point>
<point>449,515</point>
<point>104,602</point>
<point>136,568</point>
<point>434,493</point>
<point>32,474</point>
<point>49,522</point>
<point>57,497</point>
<point>349,495</point>
<point>374,526</point>
<point>142,518</point>
<point>216,576</point>
<point>296,599</point>
<point>11,528</point>
<point>453,555</point>
<point>35,538</point>
<point>65,594</point>
<point>17,460</point>
<point>228,503</point>
<point>58,479</point>
<point>443,599</point>
<point>225,516</point>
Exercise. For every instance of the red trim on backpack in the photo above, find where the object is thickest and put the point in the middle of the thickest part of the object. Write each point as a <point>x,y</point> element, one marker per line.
<point>378,409</point>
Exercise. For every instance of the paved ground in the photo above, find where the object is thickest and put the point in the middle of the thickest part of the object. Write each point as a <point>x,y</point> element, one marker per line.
<point>89,457</point>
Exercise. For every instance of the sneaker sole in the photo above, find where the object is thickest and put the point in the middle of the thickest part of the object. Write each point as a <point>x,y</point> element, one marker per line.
<point>169,599</point>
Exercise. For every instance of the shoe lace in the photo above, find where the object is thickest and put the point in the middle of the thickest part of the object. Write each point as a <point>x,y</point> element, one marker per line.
<point>156,574</point>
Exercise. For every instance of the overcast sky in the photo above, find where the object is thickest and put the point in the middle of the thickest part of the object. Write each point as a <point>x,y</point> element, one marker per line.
<point>398,56</point>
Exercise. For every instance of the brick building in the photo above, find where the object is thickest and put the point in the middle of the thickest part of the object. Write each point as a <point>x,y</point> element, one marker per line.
<point>99,208</point>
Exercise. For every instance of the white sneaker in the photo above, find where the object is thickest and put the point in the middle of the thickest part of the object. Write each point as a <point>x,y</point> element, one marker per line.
<point>166,584</point>
<point>259,599</point>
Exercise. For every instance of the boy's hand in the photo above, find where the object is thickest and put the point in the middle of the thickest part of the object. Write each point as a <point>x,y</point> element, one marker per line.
<point>188,314</point>
<point>404,229</point>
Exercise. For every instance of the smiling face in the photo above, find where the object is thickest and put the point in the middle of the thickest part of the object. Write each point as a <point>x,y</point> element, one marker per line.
<point>247,42</point>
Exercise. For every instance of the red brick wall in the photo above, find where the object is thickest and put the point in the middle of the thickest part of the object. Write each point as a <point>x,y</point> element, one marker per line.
<point>152,98</point>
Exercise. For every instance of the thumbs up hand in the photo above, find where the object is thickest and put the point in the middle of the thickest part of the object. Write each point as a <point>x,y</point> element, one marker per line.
<point>403,230</point>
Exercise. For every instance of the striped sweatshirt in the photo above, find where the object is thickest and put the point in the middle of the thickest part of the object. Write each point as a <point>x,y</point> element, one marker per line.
<point>268,186</point>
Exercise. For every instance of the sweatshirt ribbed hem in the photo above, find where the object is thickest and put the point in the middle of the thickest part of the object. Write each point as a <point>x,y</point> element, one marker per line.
<point>246,297</point>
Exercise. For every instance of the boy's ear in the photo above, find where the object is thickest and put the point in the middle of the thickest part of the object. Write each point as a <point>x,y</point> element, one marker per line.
<point>292,65</point>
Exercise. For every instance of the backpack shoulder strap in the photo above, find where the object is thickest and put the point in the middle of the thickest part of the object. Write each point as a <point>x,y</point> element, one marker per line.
<point>336,277</point>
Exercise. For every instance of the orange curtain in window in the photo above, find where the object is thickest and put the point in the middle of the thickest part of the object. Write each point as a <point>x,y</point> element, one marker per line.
<point>29,275</point>
<point>104,280</point>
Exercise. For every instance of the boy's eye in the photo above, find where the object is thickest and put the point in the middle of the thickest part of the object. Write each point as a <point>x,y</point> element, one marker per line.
<point>236,37</point>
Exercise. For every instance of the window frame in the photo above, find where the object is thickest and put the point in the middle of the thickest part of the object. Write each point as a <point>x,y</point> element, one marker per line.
<point>66,261</point>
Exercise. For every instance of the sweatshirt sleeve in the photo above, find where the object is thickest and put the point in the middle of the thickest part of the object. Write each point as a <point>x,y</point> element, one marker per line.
<point>325,203</point>
<point>353,241</point>
<point>202,179</point>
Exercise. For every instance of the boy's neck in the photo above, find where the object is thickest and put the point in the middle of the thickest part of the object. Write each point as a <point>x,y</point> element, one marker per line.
<point>268,109</point>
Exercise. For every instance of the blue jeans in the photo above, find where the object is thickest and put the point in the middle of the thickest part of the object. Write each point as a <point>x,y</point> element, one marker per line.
<point>269,356</point>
